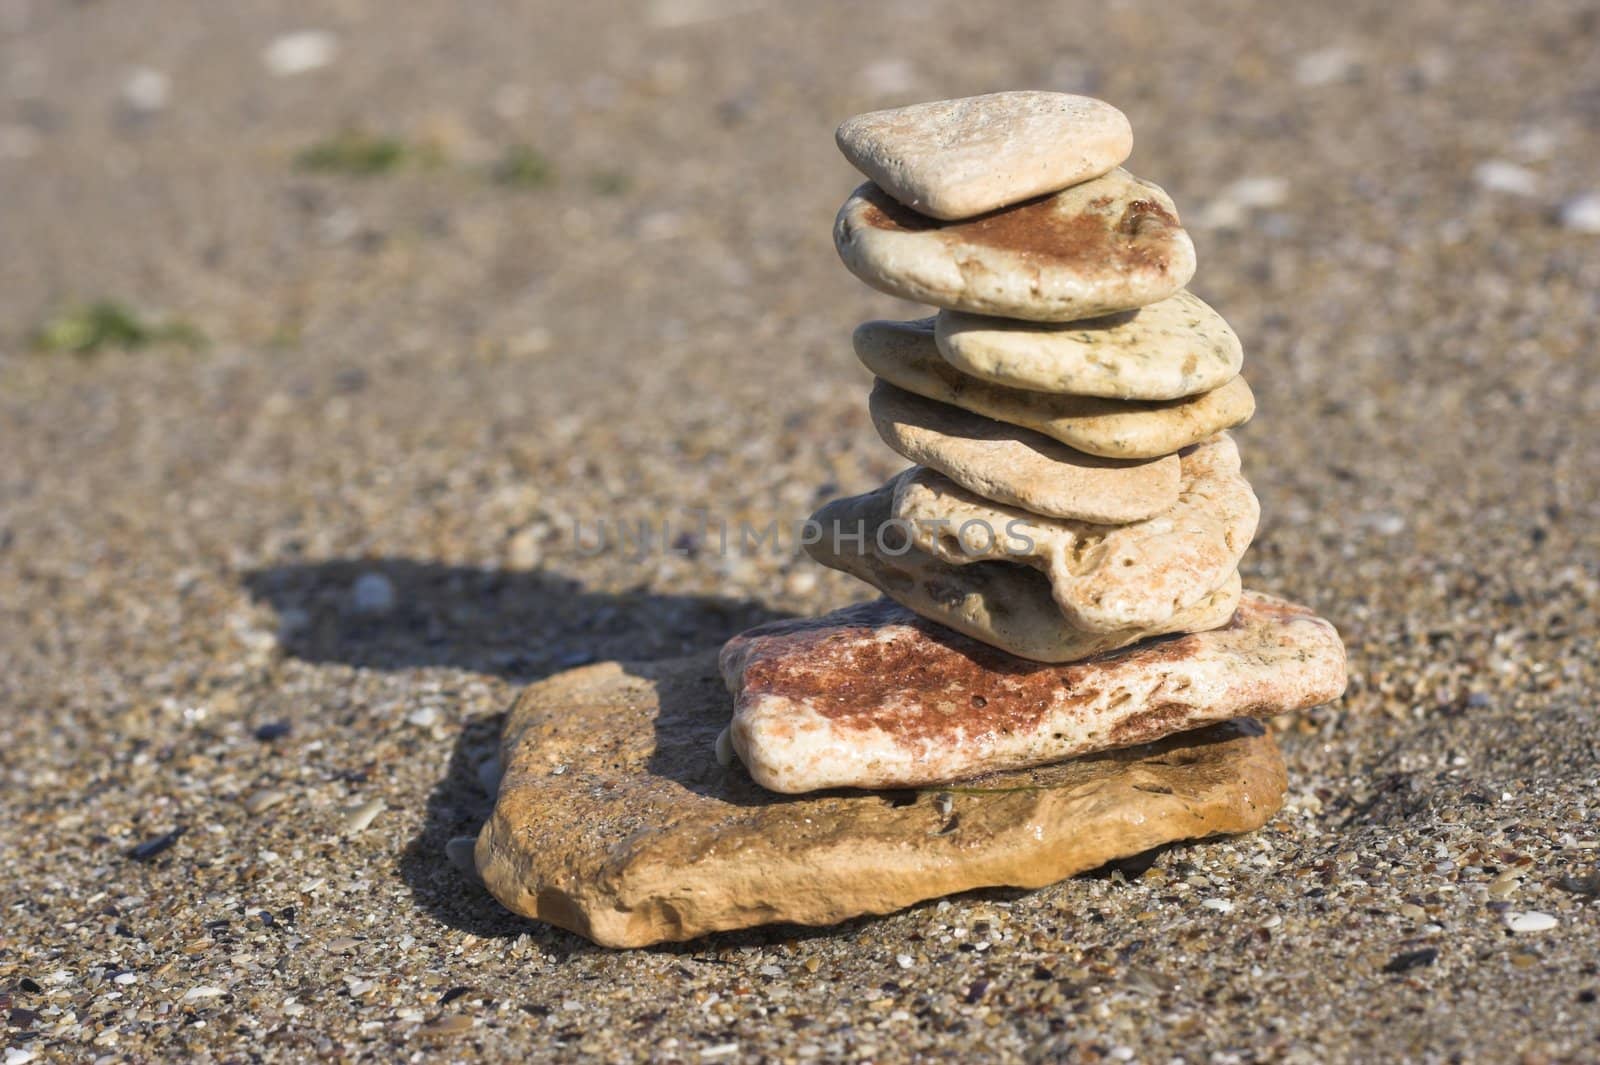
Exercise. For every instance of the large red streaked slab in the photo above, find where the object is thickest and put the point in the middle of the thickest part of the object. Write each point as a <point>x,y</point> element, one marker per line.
<point>874,696</point>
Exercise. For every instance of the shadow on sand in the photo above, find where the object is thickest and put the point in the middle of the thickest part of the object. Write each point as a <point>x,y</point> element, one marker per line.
<point>397,614</point>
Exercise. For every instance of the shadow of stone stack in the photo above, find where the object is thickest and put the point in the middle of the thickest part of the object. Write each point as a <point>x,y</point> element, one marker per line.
<point>1063,557</point>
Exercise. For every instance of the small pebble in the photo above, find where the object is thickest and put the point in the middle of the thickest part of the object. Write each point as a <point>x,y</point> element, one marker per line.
<point>1497,175</point>
<point>372,593</point>
<point>18,1056</point>
<point>800,582</point>
<point>1220,905</point>
<point>1581,214</point>
<point>357,818</point>
<point>889,76</point>
<point>343,944</point>
<point>195,994</point>
<point>489,773</point>
<point>426,717</point>
<point>448,1025</point>
<point>300,53</point>
<point>1503,885</point>
<point>1412,959</point>
<point>524,549</point>
<point>146,90</point>
<point>262,801</point>
<point>1326,66</point>
<point>460,852</point>
<point>152,847</point>
<point>272,730</point>
<point>1530,921</point>
<point>1233,204</point>
<point>292,621</point>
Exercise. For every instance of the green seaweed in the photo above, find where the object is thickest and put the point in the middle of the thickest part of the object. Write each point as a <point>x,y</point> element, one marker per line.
<point>355,154</point>
<point>522,166</point>
<point>87,328</point>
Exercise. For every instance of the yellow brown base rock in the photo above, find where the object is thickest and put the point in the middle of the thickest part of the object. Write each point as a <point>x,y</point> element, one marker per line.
<point>615,820</point>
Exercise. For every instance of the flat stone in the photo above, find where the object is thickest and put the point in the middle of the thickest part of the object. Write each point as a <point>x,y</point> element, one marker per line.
<point>1003,604</point>
<point>1019,467</point>
<point>957,158</point>
<point>1102,577</point>
<point>1110,244</point>
<point>874,696</point>
<point>906,355</point>
<point>641,837</point>
<point>1174,348</point>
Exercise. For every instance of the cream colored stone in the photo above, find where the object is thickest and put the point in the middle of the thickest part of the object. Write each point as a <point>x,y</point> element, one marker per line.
<point>954,159</point>
<point>1105,578</point>
<point>1174,348</point>
<point>875,697</point>
<point>1020,467</point>
<point>615,821</point>
<point>1106,245</point>
<point>1003,604</point>
<point>905,354</point>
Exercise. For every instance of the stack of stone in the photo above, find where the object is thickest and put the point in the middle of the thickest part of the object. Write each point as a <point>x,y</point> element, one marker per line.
<point>1061,567</point>
<point>1075,495</point>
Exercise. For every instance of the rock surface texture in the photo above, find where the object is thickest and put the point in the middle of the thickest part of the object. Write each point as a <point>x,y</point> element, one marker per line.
<point>1101,577</point>
<point>613,821</point>
<point>906,355</point>
<point>1004,604</point>
<point>1110,244</point>
<point>1173,348</point>
<point>875,697</point>
<point>953,159</point>
<point>1017,466</point>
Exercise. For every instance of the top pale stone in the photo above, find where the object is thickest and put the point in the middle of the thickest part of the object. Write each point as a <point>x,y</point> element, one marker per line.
<point>954,159</point>
<point>1107,245</point>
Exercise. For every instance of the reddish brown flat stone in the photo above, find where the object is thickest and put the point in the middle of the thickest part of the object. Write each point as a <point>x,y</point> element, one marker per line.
<point>876,697</point>
<point>1109,244</point>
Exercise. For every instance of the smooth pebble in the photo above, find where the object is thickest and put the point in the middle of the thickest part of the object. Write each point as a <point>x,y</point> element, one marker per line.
<point>459,851</point>
<point>300,52</point>
<point>1581,214</point>
<point>372,593</point>
<point>1530,921</point>
<point>357,818</point>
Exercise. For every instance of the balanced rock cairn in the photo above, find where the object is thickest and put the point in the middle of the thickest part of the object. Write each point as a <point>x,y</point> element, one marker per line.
<point>1063,558</point>
<point>1060,566</point>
